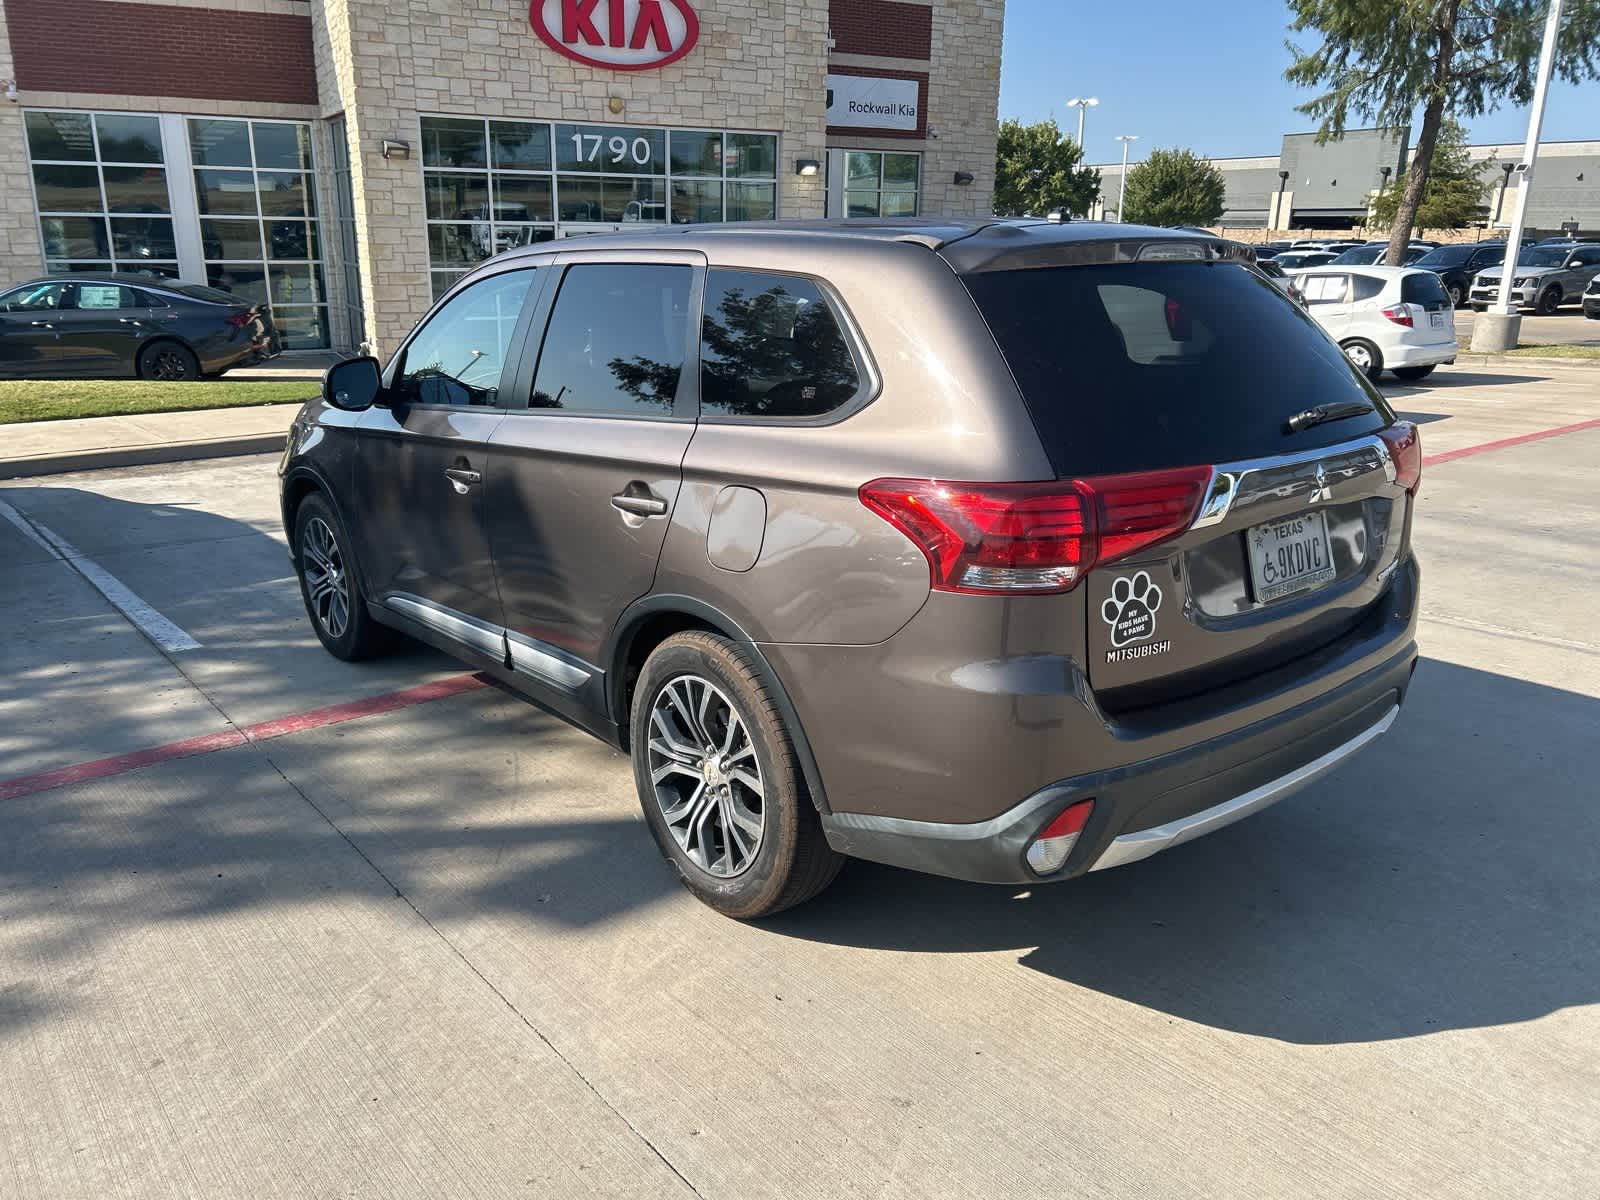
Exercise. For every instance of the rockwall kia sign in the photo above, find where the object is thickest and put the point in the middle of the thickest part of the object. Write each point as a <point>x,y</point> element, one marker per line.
<point>860,102</point>
<point>622,35</point>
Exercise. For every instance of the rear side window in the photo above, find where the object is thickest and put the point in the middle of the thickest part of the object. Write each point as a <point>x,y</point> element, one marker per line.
<point>1150,365</point>
<point>105,295</point>
<point>1324,289</point>
<point>1365,287</point>
<point>1489,258</point>
<point>616,341</point>
<point>771,347</point>
<point>1424,288</point>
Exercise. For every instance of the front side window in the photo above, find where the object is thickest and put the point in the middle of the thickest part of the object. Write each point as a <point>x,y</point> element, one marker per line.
<point>771,347</point>
<point>457,357</point>
<point>881,184</point>
<point>616,341</point>
<point>33,297</point>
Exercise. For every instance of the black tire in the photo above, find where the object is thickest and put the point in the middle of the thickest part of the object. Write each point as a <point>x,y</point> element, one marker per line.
<point>1457,294</point>
<point>1549,301</point>
<point>357,635</point>
<point>169,361</point>
<point>791,861</point>
<point>1359,349</point>
<point>1412,374</point>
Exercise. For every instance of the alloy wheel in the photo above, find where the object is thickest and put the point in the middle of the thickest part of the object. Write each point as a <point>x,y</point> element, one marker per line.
<point>322,563</point>
<point>706,777</point>
<point>169,365</point>
<point>1360,356</point>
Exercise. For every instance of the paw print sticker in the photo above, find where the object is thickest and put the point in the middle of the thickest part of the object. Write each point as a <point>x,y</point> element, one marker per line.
<point>1131,609</point>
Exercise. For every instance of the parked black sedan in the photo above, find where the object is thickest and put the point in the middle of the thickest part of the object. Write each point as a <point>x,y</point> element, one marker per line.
<point>98,326</point>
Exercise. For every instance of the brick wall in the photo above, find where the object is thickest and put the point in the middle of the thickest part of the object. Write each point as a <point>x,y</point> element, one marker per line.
<point>882,28</point>
<point>103,46</point>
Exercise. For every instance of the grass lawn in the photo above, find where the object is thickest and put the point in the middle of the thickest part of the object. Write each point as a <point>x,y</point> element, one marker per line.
<point>58,399</point>
<point>1526,351</point>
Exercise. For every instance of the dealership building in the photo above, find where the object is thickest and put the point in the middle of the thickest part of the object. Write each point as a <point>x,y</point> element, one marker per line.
<point>1329,185</point>
<point>344,161</point>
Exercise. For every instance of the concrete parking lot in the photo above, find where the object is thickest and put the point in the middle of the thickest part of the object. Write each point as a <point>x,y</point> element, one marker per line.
<point>370,940</point>
<point>1568,327</point>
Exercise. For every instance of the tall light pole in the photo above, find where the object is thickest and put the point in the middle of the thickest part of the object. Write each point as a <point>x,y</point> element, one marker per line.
<point>1498,328</point>
<point>1122,180</point>
<point>1082,104</point>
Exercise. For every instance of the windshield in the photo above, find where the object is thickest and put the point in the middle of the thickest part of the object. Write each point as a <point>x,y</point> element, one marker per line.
<point>1543,256</point>
<point>1142,366</point>
<point>1446,256</point>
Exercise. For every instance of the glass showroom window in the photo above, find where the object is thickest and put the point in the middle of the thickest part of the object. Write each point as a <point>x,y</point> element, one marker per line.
<point>881,184</point>
<point>100,189</point>
<point>488,188</point>
<point>493,185</point>
<point>256,193</point>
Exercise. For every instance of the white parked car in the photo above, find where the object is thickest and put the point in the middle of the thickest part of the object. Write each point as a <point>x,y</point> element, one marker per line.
<point>1386,318</point>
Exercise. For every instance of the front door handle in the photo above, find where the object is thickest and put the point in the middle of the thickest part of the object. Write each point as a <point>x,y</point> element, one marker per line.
<point>462,478</point>
<point>41,324</point>
<point>639,506</point>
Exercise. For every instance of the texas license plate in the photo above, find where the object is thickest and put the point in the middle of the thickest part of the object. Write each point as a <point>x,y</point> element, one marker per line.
<point>1290,556</point>
<point>1436,320</point>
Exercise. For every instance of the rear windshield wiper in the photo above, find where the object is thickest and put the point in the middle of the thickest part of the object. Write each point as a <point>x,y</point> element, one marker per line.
<point>1327,412</point>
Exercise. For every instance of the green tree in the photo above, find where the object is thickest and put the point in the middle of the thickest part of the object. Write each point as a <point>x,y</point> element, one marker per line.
<point>1173,187</point>
<point>1038,171</point>
<point>1454,189</point>
<point>1383,59</point>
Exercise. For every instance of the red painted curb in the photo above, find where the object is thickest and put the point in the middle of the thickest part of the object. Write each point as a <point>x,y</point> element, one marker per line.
<point>336,714</point>
<point>1520,439</point>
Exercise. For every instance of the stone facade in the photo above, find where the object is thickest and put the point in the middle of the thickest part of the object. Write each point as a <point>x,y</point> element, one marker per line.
<point>21,256</point>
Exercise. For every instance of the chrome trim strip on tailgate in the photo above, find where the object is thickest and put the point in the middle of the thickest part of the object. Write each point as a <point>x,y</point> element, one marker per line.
<point>1227,482</point>
<point>1131,847</point>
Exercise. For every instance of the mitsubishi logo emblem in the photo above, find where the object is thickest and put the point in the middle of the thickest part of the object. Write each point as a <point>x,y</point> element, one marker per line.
<point>1320,489</point>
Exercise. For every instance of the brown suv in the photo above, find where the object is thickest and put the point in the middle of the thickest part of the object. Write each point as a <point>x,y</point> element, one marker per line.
<point>1004,550</point>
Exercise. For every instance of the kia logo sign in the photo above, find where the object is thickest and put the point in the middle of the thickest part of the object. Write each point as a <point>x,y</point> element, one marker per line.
<point>623,35</point>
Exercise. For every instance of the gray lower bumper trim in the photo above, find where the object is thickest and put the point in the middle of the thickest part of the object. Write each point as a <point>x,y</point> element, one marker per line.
<point>1131,847</point>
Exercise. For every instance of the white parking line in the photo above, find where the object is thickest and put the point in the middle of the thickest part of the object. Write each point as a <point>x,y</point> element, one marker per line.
<point>146,619</point>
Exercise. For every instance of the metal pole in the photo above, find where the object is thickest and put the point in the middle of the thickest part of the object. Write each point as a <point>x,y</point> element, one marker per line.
<point>1122,180</point>
<point>1082,108</point>
<point>1530,152</point>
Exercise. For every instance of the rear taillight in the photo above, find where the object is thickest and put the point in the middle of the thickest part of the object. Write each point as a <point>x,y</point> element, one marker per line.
<point>1049,850</point>
<point>1030,538</point>
<point>1405,448</point>
<point>240,320</point>
<point>1399,314</point>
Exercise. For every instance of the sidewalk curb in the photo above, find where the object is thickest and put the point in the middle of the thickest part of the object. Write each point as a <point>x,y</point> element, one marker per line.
<point>140,456</point>
<point>1510,360</point>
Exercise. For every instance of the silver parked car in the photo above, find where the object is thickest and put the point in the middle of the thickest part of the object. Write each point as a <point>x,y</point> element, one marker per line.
<point>1006,550</point>
<point>1547,277</point>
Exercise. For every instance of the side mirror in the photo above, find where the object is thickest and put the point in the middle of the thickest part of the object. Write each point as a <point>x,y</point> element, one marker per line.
<point>352,385</point>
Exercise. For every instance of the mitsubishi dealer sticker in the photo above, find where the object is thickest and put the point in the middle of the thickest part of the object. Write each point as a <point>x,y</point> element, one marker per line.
<point>1131,613</point>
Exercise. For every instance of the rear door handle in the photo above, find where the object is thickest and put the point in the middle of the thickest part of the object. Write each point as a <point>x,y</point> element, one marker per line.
<point>41,324</point>
<point>462,478</point>
<point>639,506</point>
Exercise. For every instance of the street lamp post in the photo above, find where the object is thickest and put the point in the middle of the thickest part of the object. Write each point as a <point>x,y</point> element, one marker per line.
<point>1497,329</point>
<point>1122,180</point>
<point>1082,104</point>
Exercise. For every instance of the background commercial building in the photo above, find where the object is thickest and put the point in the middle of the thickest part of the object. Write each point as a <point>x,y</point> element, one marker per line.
<point>1307,186</point>
<point>345,160</point>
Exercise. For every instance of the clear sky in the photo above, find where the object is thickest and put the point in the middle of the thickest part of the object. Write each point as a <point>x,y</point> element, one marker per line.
<point>1205,76</point>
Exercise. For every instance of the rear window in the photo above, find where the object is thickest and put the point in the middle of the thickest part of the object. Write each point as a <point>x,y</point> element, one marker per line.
<point>1423,287</point>
<point>1151,365</point>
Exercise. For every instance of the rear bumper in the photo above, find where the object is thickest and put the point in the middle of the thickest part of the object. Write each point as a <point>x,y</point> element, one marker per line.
<point>1148,807</point>
<point>1430,355</point>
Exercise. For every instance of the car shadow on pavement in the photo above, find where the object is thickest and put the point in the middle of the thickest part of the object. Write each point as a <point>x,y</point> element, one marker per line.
<point>1445,879</point>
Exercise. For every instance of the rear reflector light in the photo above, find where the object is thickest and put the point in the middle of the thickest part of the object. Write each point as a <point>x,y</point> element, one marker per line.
<point>240,320</point>
<point>1405,448</point>
<point>1399,314</point>
<point>1051,848</point>
<point>1032,538</point>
